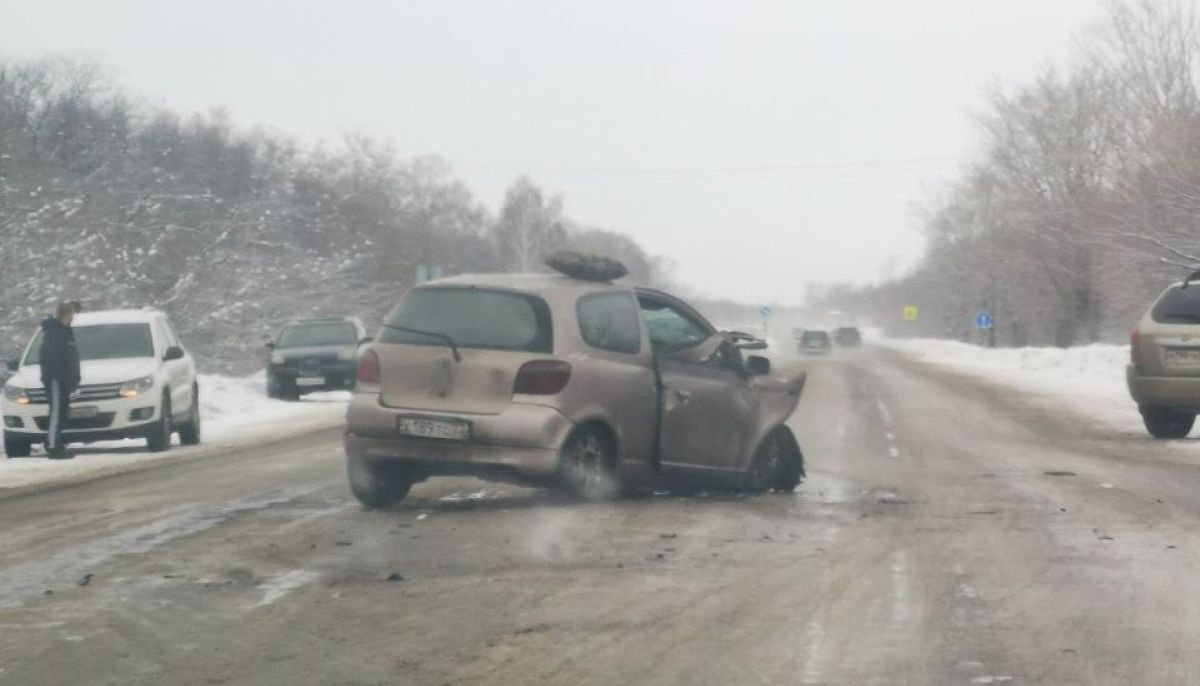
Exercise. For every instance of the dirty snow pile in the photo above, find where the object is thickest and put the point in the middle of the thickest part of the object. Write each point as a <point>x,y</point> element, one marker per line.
<point>1089,379</point>
<point>235,411</point>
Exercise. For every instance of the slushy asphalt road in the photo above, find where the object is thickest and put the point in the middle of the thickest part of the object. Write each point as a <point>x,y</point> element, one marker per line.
<point>950,532</point>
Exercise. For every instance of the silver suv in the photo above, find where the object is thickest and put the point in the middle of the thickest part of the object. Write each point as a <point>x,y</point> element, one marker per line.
<point>1164,372</point>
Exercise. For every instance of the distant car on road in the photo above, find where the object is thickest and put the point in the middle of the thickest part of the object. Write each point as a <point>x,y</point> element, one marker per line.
<point>1164,370</point>
<point>550,380</point>
<point>314,355</point>
<point>137,382</point>
<point>815,342</point>
<point>848,336</point>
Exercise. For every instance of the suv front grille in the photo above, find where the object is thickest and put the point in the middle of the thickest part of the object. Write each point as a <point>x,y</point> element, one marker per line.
<point>108,391</point>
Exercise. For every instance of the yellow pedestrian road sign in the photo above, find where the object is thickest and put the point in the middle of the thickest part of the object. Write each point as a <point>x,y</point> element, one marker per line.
<point>911,313</point>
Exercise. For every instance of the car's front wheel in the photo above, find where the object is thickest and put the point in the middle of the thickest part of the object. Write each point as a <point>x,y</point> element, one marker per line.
<point>15,446</point>
<point>1165,422</point>
<point>778,464</point>
<point>378,484</point>
<point>189,433</point>
<point>158,437</point>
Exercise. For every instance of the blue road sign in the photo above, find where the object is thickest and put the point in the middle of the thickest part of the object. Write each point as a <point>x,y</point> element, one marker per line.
<point>765,311</point>
<point>983,321</point>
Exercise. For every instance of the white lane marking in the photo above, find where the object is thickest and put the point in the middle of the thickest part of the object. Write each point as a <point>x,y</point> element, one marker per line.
<point>899,587</point>
<point>991,679</point>
<point>885,413</point>
<point>815,656</point>
<point>280,585</point>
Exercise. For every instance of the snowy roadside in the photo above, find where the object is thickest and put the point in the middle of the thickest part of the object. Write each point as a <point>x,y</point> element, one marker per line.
<point>1089,379</point>
<point>235,412</point>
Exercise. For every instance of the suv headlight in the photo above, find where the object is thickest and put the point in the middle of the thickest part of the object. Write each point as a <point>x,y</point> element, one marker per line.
<point>131,389</point>
<point>277,358</point>
<point>16,394</point>
<point>347,354</point>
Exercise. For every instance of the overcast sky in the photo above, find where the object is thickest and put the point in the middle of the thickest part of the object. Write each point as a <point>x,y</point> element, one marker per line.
<point>759,145</point>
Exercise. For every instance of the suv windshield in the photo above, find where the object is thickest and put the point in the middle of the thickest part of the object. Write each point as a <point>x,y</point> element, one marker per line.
<point>1178,306</point>
<point>317,334</point>
<point>491,320</point>
<point>104,342</point>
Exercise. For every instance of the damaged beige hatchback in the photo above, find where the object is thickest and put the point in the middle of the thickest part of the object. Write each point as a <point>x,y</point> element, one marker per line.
<point>545,379</point>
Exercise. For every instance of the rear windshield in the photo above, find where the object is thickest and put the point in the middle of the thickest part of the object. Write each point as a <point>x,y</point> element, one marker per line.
<point>1178,306</point>
<point>474,318</point>
<point>815,335</point>
<point>103,342</point>
<point>315,334</point>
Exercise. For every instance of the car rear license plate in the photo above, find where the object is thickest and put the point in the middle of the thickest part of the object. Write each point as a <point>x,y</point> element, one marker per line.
<point>84,412</point>
<point>310,381</point>
<point>441,429</point>
<point>1177,357</point>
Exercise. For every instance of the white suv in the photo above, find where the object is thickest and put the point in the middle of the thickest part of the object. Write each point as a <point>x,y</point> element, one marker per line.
<point>137,382</point>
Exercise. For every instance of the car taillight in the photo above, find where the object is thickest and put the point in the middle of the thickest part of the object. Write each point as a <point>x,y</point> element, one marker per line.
<point>368,367</point>
<point>1135,355</point>
<point>542,377</point>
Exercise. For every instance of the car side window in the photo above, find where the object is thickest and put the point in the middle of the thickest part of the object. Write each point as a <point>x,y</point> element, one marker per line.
<point>161,333</point>
<point>172,339</point>
<point>609,321</point>
<point>670,329</point>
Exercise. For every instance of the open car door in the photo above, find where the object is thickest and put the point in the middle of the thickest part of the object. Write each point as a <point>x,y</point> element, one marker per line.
<point>708,410</point>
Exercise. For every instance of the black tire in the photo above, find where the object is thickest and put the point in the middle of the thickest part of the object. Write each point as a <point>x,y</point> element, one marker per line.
<point>378,484</point>
<point>1167,423</point>
<point>778,464</point>
<point>16,447</point>
<point>158,436</point>
<point>189,433</point>
<point>588,465</point>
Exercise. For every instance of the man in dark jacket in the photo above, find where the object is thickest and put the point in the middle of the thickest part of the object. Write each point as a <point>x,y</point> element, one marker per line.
<point>59,359</point>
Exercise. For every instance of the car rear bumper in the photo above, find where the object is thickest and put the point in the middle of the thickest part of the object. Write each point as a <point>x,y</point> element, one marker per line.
<point>523,440</point>
<point>1178,392</point>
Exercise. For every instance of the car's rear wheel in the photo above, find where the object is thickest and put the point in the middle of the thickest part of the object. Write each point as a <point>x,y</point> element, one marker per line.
<point>378,484</point>
<point>158,437</point>
<point>189,433</point>
<point>778,464</point>
<point>587,464</point>
<point>14,446</point>
<point>1165,422</point>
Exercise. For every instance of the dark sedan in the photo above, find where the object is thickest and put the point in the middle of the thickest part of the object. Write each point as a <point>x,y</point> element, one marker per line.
<point>314,355</point>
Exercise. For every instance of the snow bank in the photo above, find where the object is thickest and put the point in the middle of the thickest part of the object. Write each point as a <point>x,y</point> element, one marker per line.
<point>235,411</point>
<point>1090,379</point>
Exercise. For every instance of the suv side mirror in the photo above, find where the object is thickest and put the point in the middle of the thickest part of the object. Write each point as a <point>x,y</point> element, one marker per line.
<point>757,365</point>
<point>173,353</point>
<point>269,344</point>
<point>13,365</point>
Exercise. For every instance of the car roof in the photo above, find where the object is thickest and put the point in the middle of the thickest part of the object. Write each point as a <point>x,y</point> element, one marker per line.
<point>128,316</point>
<point>532,283</point>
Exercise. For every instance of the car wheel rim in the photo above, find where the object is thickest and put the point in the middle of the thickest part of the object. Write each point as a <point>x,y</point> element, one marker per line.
<point>768,465</point>
<point>589,466</point>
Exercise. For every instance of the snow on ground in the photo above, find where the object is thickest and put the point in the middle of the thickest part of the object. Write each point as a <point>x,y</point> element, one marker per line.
<point>234,411</point>
<point>1088,379</point>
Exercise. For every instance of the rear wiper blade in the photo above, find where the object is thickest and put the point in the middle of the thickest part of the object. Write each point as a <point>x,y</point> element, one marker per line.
<point>432,334</point>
